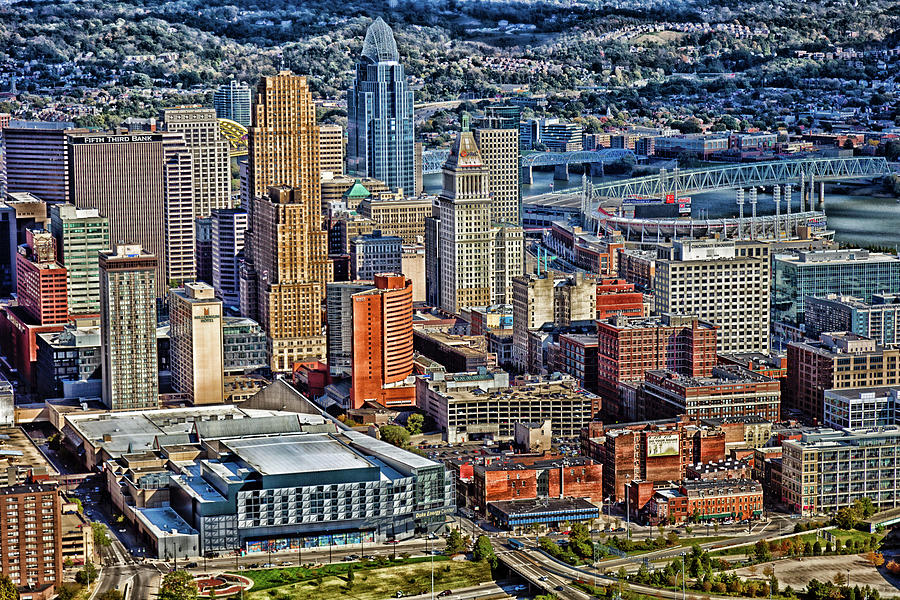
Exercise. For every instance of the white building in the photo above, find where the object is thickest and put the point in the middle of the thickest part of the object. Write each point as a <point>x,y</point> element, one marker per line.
<point>861,407</point>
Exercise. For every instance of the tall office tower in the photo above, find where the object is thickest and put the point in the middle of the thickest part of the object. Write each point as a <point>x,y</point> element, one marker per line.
<point>35,158</point>
<point>40,280</point>
<point>31,540</point>
<point>80,233</point>
<point>538,301</point>
<point>331,149</point>
<point>228,229</point>
<point>499,116</point>
<point>725,283</point>
<point>383,343</point>
<point>339,318</point>
<point>432,261</point>
<point>128,328</point>
<point>500,152</point>
<point>287,248</point>
<point>375,253</point>
<point>232,101</point>
<point>196,347</point>
<point>203,245</point>
<point>142,183</point>
<point>211,159</point>
<point>380,114</point>
<point>20,212</point>
<point>477,259</point>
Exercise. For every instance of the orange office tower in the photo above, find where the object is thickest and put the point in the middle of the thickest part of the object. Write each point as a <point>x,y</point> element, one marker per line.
<point>283,286</point>
<point>383,343</point>
<point>41,281</point>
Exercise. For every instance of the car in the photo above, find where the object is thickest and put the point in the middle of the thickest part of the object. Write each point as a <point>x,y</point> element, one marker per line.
<point>542,578</point>
<point>268,565</point>
<point>191,565</point>
<point>444,594</point>
<point>369,557</point>
<point>122,531</point>
<point>348,559</point>
<point>391,542</point>
<point>559,588</point>
<point>399,594</point>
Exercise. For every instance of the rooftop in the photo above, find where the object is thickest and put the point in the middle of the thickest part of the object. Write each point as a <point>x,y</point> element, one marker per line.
<point>543,505</point>
<point>164,522</point>
<point>296,453</point>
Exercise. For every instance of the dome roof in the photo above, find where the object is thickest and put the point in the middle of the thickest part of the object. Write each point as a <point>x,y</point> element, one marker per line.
<point>379,45</point>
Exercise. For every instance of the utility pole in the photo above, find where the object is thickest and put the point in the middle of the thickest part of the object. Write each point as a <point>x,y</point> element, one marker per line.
<point>683,578</point>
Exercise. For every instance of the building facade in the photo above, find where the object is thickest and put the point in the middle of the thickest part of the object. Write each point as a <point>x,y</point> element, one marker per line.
<point>31,535</point>
<point>331,149</point>
<point>244,345</point>
<point>339,321</point>
<point>861,408</point>
<point>40,280</point>
<point>229,229</point>
<point>500,152</point>
<point>878,319</point>
<point>35,158</point>
<point>232,101</point>
<point>374,253</point>
<point>80,233</point>
<point>196,350</point>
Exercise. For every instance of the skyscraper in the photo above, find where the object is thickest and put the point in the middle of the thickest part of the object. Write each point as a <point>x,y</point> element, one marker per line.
<point>196,349</point>
<point>229,227</point>
<point>339,315</point>
<point>380,114</point>
<point>331,148</point>
<point>32,540</point>
<point>232,101</point>
<point>128,328</point>
<point>211,168</point>
<point>35,160</point>
<point>500,152</point>
<point>80,234</point>
<point>283,284</point>
<point>40,280</point>
<point>477,259</point>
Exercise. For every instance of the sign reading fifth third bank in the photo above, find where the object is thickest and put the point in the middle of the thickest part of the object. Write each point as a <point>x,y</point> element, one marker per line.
<point>118,139</point>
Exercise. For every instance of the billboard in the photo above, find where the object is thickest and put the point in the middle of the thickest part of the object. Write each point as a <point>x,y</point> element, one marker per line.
<point>662,445</point>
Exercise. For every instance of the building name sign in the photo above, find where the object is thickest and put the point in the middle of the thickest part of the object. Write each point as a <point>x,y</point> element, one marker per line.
<point>118,139</point>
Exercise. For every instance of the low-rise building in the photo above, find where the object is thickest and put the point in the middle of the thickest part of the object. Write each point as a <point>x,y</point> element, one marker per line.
<point>707,500</point>
<point>457,353</point>
<point>69,362</point>
<point>861,408</point>
<point>878,319</point>
<point>719,470</point>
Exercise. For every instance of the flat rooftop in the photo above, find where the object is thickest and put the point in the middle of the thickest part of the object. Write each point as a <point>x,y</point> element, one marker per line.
<point>543,506</point>
<point>288,454</point>
<point>164,522</point>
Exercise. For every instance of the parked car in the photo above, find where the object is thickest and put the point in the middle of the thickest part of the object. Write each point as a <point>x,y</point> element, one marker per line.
<point>444,594</point>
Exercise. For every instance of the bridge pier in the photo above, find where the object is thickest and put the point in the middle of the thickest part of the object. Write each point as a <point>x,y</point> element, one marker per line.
<point>802,193</point>
<point>822,196</point>
<point>561,172</point>
<point>596,169</point>
<point>525,176</point>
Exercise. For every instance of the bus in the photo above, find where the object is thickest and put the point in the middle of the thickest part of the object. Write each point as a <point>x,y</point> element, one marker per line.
<point>515,544</point>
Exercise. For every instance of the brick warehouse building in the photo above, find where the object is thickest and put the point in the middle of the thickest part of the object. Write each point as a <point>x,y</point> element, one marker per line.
<point>618,297</point>
<point>655,451</point>
<point>30,533</point>
<point>737,499</point>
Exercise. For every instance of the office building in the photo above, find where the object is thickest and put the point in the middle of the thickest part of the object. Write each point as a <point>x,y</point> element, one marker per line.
<point>229,228</point>
<point>203,244</point>
<point>40,280</point>
<point>380,114</point>
<point>456,353</point>
<point>197,343</point>
<point>211,164</point>
<point>838,361</point>
<point>403,217</point>
<point>578,357</point>
<point>374,253</point>
<point>69,362</point>
<point>562,137</point>
<point>857,273</point>
<point>232,101</point>
<point>500,153</point>
<point>32,548</point>
<point>128,328</point>
<point>878,319</point>
<point>287,263</point>
<point>556,301</point>
<point>339,321</point>
<point>412,265</point>
<point>724,283</point>
<point>497,116</point>
<point>477,259</point>
<point>335,190</point>
<point>482,405</point>
<point>630,347</point>
<point>35,156</point>
<point>19,213</point>
<point>80,234</point>
<point>331,149</point>
<point>345,227</point>
<point>846,466</point>
<point>861,408</point>
<point>638,267</point>
<point>700,146</point>
<point>142,183</point>
<point>244,345</point>
<point>730,391</point>
<point>382,347</point>
<point>616,297</point>
<point>7,403</point>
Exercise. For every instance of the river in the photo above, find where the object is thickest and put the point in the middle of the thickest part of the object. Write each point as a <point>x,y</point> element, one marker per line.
<point>856,220</point>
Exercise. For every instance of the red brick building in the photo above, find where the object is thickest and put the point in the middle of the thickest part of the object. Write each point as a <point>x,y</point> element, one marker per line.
<point>31,535</point>
<point>705,501</point>
<point>578,358</point>
<point>617,297</point>
<point>40,280</point>
<point>638,267</point>
<point>627,348</point>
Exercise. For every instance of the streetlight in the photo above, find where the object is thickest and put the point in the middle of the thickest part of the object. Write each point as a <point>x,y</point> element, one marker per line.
<point>683,577</point>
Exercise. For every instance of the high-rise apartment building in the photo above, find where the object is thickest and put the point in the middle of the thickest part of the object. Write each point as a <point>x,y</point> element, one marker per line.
<point>331,149</point>
<point>375,253</point>
<point>539,301</point>
<point>500,152</point>
<point>30,534</point>
<point>725,283</point>
<point>80,234</point>
<point>339,318</point>
<point>382,355</point>
<point>232,101</point>
<point>287,246</point>
<point>128,328</point>
<point>857,273</point>
<point>211,164</point>
<point>878,319</point>
<point>477,258</point>
<point>380,114</point>
<point>838,361</point>
<point>196,347</point>
<point>229,227</point>
<point>40,280</point>
<point>143,184</point>
<point>35,158</point>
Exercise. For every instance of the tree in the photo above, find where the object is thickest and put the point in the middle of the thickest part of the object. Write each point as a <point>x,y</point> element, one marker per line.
<point>875,558</point>
<point>484,551</point>
<point>414,423</point>
<point>178,585</point>
<point>394,434</point>
<point>761,551</point>
<point>350,575</point>
<point>87,575</point>
<point>111,595</point>
<point>8,589</point>
<point>864,507</point>
<point>101,537</point>
<point>68,591</point>
<point>455,542</point>
<point>845,518</point>
<point>839,578</point>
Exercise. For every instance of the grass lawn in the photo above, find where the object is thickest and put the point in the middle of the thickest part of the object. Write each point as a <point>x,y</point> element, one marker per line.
<point>371,584</point>
<point>842,534</point>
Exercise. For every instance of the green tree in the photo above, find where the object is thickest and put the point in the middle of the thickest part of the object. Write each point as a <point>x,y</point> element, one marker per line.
<point>110,595</point>
<point>68,591</point>
<point>414,423</point>
<point>178,585</point>
<point>101,536</point>
<point>817,548</point>
<point>86,575</point>
<point>351,576</point>
<point>761,551</point>
<point>396,435</point>
<point>580,540</point>
<point>8,589</point>
<point>455,542</point>
<point>864,508</point>
<point>484,551</point>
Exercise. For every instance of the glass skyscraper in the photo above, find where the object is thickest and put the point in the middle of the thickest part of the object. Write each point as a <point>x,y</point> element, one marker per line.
<point>380,114</point>
<point>232,101</point>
